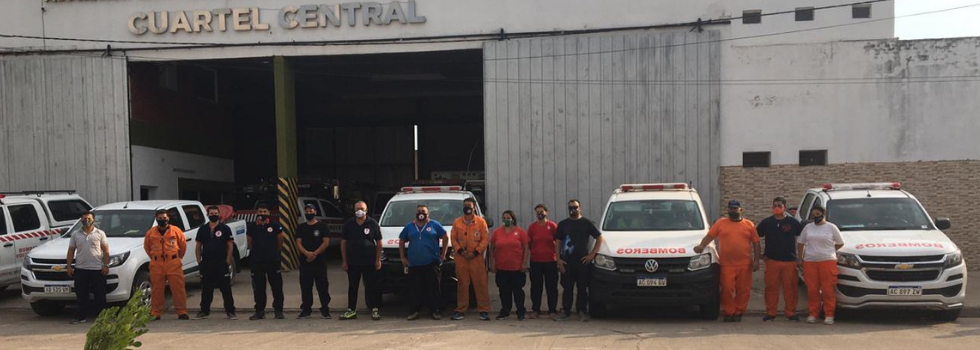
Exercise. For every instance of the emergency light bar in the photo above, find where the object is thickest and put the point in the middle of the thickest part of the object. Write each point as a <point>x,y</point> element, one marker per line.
<point>653,187</point>
<point>863,186</point>
<point>431,189</point>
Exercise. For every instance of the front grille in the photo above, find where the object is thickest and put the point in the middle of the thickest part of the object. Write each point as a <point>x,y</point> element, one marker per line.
<point>52,276</point>
<point>903,276</point>
<point>902,259</point>
<point>49,261</point>
<point>671,265</point>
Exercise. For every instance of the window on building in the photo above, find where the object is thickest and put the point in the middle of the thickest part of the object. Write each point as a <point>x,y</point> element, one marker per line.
<point>206,84</point>
<point>804,14</point>
<point>168,77</point>
<point>815,157</point>
<point>756,159</point>
<point>751,16</point>
<point>24,218</point>
<point>861,11</point>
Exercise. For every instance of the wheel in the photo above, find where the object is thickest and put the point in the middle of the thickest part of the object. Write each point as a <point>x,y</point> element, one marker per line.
<point>597,310</point>
<point>710,311</point>
<point>47,308</point>
<point>142,281</point>
<point>948,315</point>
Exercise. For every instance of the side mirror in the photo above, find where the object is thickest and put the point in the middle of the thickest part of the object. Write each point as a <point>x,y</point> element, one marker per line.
<point>489,222</point>
<point>942,223</point>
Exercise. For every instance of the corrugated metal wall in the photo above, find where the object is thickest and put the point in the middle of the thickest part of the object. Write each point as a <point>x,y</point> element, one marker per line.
<point>576,116</point>
<point>64,124</point>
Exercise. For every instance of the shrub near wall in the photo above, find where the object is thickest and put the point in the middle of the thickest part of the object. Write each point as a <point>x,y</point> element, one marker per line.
<point>946,189</point>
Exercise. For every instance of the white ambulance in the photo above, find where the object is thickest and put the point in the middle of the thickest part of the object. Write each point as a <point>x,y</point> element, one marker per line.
<point>648,258</point>
<point>895,255</point>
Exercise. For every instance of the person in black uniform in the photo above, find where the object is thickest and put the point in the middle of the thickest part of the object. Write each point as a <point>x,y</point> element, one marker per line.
<point>360,249</point>
<point>575,259</point>
<point>265,245</point>
<point>312,241</point>
<point>215,247</point>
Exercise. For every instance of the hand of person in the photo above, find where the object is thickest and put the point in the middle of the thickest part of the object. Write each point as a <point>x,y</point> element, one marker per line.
<point>588,259</point>
<point>343,265</point>
<point>799,261</point>
<point>105,270</point>
<point>310,256</point>
<point>525,268</point>
<point>228,261</point>
<point>70,270</point>
<point>561,265</point>
<point>377,265</point>
<point>493,268</point>
<point>755,265</point>
<point>698,249</point>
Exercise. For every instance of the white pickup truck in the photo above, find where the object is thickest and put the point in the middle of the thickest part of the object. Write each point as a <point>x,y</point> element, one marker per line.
<point>47,286</point>
<point>28,219</point>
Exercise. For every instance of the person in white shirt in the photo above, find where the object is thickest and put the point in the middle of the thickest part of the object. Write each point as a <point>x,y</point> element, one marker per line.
<point>818,245</point>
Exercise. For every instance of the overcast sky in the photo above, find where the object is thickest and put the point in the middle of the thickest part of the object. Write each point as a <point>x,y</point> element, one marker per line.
<point>955,23</point>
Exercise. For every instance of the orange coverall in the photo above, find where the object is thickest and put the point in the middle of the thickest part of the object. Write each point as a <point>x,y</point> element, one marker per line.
<point>471,237</point>
<point>166,251</point>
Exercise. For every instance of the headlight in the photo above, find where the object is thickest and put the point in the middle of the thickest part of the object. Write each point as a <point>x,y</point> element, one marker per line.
<point>700,262</point>
<point>848,260</point>
<point>119,259</point>
<point>604,262</point>
<point>27,263</point>
<point>952,259</point>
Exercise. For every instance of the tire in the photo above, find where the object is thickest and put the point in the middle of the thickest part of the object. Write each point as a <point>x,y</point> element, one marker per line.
<point>142,281</point>
<point>948,315</point>
<point>597,310</point>
<point>710,311</point>
<point>47,308</point>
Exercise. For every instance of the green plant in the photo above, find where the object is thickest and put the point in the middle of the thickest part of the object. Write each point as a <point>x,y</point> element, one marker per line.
<point>117,329</point>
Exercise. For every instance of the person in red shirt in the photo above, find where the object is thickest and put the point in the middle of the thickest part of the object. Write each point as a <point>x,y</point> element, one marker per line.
<point>544,266</point>
<point>738,252</point>
<point>509,260</point>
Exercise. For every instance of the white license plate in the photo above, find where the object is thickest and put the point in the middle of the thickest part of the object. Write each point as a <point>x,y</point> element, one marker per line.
<point>904,291</point>
<point>651,282</point>
<point>57,289</point>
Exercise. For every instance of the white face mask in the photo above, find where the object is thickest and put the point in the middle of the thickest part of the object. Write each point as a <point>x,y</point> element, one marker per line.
<point>360,213</point>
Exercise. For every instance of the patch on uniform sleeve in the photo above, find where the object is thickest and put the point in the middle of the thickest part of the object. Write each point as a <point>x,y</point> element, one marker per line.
<point>367,231</point>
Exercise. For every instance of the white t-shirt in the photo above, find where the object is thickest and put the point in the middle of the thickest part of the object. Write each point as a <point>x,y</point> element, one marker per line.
<point>820,241</point>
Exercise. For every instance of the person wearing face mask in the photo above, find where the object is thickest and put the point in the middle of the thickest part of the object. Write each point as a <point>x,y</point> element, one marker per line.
<point>510,259</point>
<point>470,237</point>
<point>574,259</point>
<point>427,242</point>
<point>360,250</point>
<point>215,247</point>
<point>544,269</point>
<point>311,242</point>
<point>265,238</point>
<point>738,254</point>
<point>88,264</point>
<point>817,251</point>
<point>780,232</point>
<point>165,245</point>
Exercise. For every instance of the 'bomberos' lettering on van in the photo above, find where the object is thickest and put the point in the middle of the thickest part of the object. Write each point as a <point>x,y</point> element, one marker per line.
<point>643,251</point>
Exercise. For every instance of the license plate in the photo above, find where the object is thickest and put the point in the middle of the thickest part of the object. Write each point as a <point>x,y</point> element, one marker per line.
<point>57,289</point>
<point>651,282</point>
<point>904,291</point>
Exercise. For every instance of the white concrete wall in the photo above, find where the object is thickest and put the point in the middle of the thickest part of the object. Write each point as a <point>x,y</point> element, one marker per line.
<point>106,19</point>
<point>864,101</point>
<point>162,168</point>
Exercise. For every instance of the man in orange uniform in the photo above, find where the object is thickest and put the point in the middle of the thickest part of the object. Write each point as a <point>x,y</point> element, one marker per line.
<point>738,252</point>
<point>166,245</point>
<point>470,239</point>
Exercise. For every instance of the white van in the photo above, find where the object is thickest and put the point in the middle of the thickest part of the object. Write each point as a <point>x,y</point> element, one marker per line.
<point>895,255</point>
<point>648,258</point>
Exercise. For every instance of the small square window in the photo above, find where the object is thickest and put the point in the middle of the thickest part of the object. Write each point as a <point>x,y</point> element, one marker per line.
<point>756,159</point>
<point>861,11</point>
<point>804,14</point>
<point>812,158</point>
<point>751,16</point>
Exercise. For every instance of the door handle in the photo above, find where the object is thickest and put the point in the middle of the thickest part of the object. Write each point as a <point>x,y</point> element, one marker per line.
<point>188,239</point>
<point>8,245</point>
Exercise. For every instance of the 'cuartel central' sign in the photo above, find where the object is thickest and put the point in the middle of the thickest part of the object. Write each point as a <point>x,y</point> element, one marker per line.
<point>290,17</point>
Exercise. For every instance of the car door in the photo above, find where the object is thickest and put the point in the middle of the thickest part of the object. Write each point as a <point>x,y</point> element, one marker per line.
<point>194,219</point>
<point>8,265</point>
<point>804,209</point>
<point>25,218</point>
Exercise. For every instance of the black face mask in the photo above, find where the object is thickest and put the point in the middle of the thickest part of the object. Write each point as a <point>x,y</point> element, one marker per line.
<point>421,216</point>
<point>162,225</point>
<point>310,217</point>
<point>542,216</point>
<point>213,218</point>
<point>572,211</point>
<point>467,210</point>
<point>734,215</point>
<point>262,217</point>
<point>817,219</point>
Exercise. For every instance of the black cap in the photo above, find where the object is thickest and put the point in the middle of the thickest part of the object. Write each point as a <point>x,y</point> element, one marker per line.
<point>734,203</point>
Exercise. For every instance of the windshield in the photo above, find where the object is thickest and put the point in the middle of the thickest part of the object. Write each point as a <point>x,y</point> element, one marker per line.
<point>653,215</point>
<point>400,213</point>
<point>120,223</point>
<point>877,214</point>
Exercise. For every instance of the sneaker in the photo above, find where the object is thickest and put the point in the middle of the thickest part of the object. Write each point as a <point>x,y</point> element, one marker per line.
<point>257,316</point>
<point>304,314</point>
<point>794,318</point>
<point>768,318</point>
<point>183,317</point>
<point>201,315</point>
<point>375,314</point>
<point>279,315</point>
<point>553,315</point>
<point>520,317</point>
<point>484,316</point>
<point>436,316</point>
<point>828,321</point>
<point>457,316</point>
<point>563,317</point>
<point>78,320</point>
<point>584,316</point>
<point>811,319</point>
<point>502,316</point>
<point>232,316</point>
<point>535,315</point>
<point>326,315</point>
<point>738,318</point>
<point>413,316</point>
<point>349,315</point>
<point>729,319</point>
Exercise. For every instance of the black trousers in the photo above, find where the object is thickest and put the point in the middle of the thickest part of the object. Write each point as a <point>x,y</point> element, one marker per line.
<point>371,295</point>
<point>310,275</point>
<point>577,276</point>
<point>425,286</point>
<point>266,271</point>
<point>216,274</point>
<point>89,282</point>
<point>511,285</point>
<point>544,276</point>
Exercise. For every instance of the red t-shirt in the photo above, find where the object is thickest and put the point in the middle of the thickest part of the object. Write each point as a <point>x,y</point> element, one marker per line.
<point>542,241</point>
<point>508,248</point>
